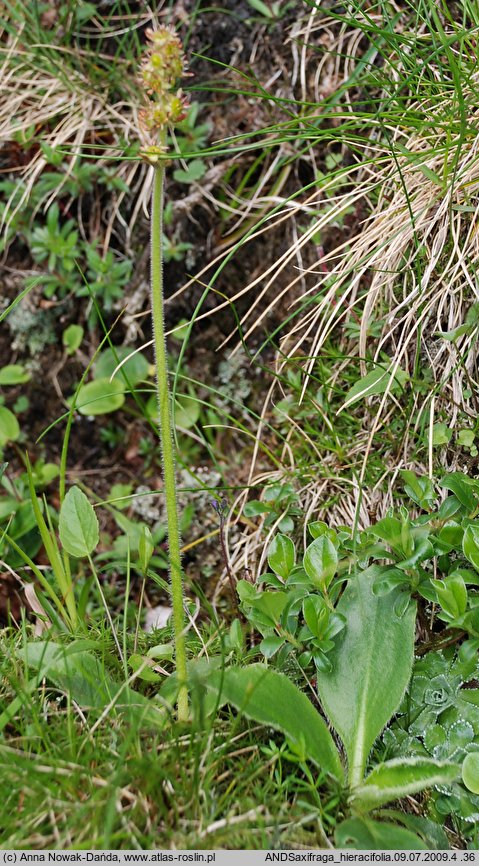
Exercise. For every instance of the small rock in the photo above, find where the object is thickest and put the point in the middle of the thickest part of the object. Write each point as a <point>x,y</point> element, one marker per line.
<point>156,617</point>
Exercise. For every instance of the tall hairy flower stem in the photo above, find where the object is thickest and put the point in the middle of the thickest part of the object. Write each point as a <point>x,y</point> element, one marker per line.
<point>166,434</point>
<point>164,106</point>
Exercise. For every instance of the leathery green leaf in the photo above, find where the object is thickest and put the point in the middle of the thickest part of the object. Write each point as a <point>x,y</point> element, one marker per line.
<point>371,666</point>
<point>281,555</point>
<point>364,834</point>
<point>400,778</point>
<point>470,772</point>
<point>270,698</point>
<point>377,381</point>
<point>320,562</point>
<point>78,525</point>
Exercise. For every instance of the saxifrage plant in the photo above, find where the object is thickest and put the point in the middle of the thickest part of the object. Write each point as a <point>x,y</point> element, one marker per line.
<point>361,638</point>
<point>371,665</point>
<point>164,106</point>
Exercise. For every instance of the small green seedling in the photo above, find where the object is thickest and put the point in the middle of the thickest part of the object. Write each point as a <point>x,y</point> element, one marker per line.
<point>72,338</point>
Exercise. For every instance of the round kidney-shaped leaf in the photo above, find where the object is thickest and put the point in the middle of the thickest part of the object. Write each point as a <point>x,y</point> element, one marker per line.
<point>133,364</point>
<point>14,374</point>
<point>100,397</point>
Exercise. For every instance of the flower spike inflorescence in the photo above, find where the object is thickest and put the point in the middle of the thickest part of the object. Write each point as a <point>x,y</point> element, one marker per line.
<point>163,64</point>
<point>165,61</point>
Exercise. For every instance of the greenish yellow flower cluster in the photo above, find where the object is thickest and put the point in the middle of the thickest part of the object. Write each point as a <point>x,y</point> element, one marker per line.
<point>164,63</point>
